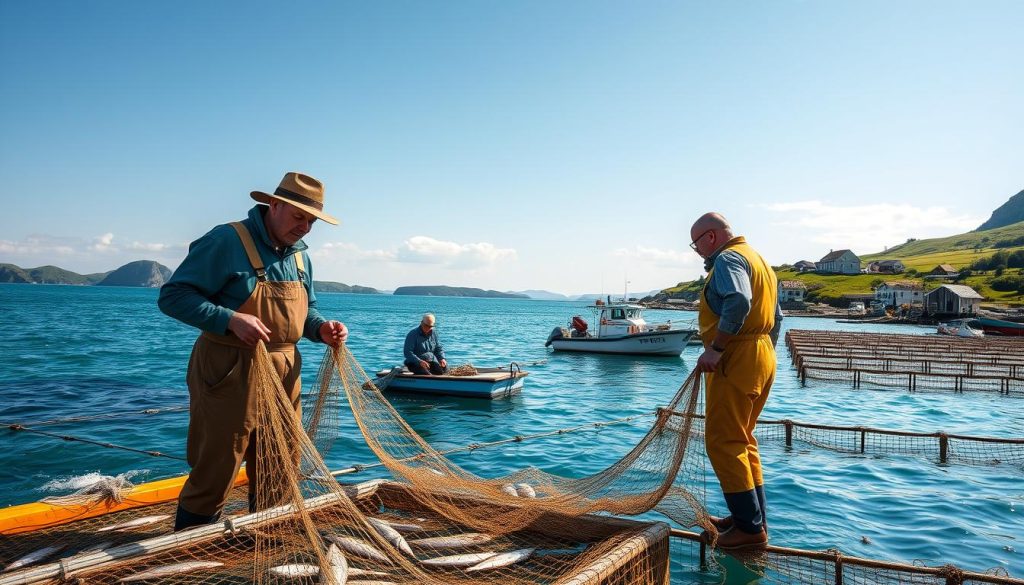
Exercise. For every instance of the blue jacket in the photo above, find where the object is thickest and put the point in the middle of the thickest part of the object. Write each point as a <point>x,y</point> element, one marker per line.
<point>216,277</point>
<point>423,347</point>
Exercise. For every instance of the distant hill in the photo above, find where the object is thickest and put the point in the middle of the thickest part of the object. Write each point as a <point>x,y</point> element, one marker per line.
<point>145,273</point>
<point>455,291</point>
<point>46,275</point>
<point>327,286</point>
<point>541,295</point>
<point>1008,213</point>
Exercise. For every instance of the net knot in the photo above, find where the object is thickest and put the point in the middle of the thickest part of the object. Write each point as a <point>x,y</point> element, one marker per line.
<point>518,438</point>
<point>954,575</point>
<point>151,411</point>
<point>473,446</point>
<point>229,526</point>
<point>16,427</point>
<point>358,467</point>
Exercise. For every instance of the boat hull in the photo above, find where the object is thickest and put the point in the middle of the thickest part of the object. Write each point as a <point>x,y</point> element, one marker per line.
<point>486,384</point>
<point>998,327</point>
<point>658,343</point>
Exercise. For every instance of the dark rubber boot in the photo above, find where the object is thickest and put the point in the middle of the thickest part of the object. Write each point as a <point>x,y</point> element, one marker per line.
<point>186,519</point>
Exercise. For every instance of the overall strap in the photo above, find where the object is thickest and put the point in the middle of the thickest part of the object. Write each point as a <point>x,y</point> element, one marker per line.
<point>250,250</point>
<point>300,265</point>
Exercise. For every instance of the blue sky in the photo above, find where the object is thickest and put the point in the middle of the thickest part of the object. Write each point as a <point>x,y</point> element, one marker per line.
<point>508,145</point>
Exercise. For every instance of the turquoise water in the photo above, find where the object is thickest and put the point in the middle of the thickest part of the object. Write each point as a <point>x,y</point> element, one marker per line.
<point>74,351</point>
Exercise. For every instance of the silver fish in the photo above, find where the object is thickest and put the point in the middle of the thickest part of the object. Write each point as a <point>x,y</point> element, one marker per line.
<point>465,560</point>
<point>455,541</point>
<point>510,490</point>
<point>502,560</point>
<point>525,490</point>
<point>33,557</point>
<point>294,571</point>
<point>402,526</point>
<point>338,564</point>
<point>175,569</point>
<point>390,534</point>
<point>135,523</point>
<point>358,548</point>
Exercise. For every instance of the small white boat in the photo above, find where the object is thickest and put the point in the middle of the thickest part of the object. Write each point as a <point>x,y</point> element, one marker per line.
<point>960,328</point>
<point>621,330</point>
<point>486,383</point>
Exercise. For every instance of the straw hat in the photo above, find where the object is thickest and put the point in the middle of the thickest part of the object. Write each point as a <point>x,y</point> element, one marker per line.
<point>300,190</point>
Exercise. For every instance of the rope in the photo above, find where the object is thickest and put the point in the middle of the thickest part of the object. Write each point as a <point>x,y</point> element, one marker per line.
<point>17,427</point>
<point>108,415</point>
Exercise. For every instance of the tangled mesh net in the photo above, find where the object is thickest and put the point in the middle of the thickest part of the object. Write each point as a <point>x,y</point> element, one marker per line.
<point>441,524</point>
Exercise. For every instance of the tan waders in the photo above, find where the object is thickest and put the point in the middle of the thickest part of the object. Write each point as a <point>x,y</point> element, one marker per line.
<point>222,430</point>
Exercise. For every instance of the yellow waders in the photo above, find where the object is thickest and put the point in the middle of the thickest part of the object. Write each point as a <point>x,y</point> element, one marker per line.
<point>737,391</point>
<point>222,424</point>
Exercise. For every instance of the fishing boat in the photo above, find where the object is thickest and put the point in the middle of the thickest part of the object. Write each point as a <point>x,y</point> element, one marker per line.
<point>621,330</point>
<point>1000,327</point>
<point>960,328</point>
<point>485,383</point>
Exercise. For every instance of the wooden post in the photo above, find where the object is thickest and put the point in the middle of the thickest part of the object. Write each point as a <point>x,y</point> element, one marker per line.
<point>789,433</point>
<point>943,447</point>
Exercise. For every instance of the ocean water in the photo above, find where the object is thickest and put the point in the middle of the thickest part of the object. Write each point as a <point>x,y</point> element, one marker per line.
<point>90,351</point>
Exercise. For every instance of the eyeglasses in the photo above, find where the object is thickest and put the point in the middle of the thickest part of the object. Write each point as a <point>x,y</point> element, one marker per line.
<point>693,244</point>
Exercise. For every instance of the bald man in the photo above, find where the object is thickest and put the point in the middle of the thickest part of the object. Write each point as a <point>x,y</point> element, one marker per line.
<point>739,324</point>
<point>424,354</point>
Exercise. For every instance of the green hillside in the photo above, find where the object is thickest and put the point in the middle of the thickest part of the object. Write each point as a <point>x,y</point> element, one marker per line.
<point>919,257</point>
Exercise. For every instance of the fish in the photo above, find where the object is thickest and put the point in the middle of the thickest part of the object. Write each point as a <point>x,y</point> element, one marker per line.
<point>357,572</point>
<point>391,535</point>
<point>135,523</point>
<point>454,541</point>
<point>502,560</point>
<point>338,564</point>
<point>358,548</point>
<point>465,560</point>
<point>175,569</point>
<point>33,557</point>
<point>402,526</point>
<point>525,490</point>
<point>510,490</point>
<point>294,570</point>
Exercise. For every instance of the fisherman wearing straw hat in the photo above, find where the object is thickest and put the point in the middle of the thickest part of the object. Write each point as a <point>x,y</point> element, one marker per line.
<point>242,283</point>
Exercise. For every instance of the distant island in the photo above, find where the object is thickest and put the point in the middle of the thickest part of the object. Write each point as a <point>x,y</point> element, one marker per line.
<point>141,273</point>
<point>456,291</point>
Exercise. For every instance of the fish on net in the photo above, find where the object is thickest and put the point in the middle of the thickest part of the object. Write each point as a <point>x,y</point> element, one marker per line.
<point>445,524</point>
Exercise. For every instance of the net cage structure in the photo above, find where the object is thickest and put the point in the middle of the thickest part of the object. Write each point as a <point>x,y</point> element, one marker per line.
<point>439,524</point>
<point>914,362</point>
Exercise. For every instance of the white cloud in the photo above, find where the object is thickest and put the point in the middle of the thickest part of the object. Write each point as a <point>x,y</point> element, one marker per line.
<point>104,243</point>
<point>867,228</point>
<point>427,250</point>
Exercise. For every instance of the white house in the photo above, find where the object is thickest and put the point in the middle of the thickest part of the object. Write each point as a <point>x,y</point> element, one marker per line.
<point>839,262</point>
<point>791,291</point>
<point>900,292</point>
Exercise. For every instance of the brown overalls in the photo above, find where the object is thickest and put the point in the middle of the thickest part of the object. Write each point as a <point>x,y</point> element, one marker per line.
<point>222,423</point>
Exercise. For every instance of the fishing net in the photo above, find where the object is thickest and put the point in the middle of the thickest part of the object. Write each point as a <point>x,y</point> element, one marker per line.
<point>440,524</point>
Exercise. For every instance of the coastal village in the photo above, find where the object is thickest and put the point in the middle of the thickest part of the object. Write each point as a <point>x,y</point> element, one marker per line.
<point>977,274</point>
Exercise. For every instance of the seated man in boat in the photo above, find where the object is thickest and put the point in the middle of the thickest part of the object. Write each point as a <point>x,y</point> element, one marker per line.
<point>424,354</point>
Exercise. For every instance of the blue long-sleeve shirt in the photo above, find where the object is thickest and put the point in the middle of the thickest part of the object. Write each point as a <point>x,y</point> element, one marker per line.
<point>728,294</point>
<point>420,346</point>
<point>216,277</point>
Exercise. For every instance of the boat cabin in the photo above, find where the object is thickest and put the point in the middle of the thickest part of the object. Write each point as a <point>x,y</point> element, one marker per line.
<point>620,319</point>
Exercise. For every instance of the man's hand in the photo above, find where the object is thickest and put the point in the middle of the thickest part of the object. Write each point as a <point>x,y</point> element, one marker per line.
<point>708,361</point>
<point>444,363</point>
<point>425,365</point>
<point>248,328</point>
<point>333,333</point>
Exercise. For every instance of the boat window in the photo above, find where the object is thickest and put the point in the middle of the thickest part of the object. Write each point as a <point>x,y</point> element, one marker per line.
<point>633,313</point>
<point>618,314</point>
